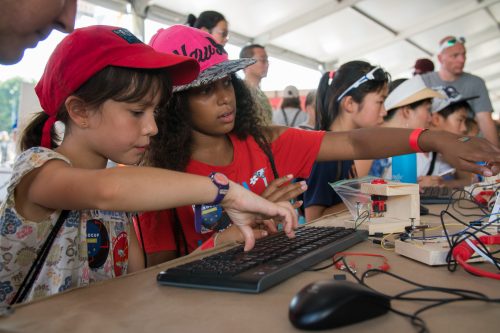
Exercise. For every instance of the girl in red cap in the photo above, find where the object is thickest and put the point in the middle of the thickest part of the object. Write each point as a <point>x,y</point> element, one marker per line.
<point>66,219</point>
<point>211,125</point>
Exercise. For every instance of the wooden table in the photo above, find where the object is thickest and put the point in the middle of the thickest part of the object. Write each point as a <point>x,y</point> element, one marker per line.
<point>136,303</point>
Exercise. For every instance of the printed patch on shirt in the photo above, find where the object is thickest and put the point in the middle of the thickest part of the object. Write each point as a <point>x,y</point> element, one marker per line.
<point>97,243</point>
<point>127,35</point>
<point>212,219</point>
<point>120,254</point>
<point>259,174</point>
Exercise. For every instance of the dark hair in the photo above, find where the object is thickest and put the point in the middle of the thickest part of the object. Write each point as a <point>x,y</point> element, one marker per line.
<point>290,102</point>
<point>327,107</point>
<point>453,108</point>
<point>310,98</point>
<point>116,83</point>
<point>173,146</point>
<point>207,19</point>
<point>247,51</point>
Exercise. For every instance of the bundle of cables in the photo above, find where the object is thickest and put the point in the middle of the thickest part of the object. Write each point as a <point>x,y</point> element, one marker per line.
<point>475,240</point>
<point>450,295</point>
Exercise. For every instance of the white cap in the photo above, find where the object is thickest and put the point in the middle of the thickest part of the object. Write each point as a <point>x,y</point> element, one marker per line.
<point>410,91</point>
<point>291,92</point>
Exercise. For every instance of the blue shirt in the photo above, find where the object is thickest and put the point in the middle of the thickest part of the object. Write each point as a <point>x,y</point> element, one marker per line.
<point>319,192</point>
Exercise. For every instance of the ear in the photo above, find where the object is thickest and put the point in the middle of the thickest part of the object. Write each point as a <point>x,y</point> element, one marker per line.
<point>436,120</point>
<point>77,111</point>
<point>440,58</point>
<point>349,105</point>
<point>405,112</point>
<point>204,29</point>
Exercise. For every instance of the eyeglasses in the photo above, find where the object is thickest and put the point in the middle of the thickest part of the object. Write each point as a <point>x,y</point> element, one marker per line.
<point>376,74</point>
<point>450,42</point>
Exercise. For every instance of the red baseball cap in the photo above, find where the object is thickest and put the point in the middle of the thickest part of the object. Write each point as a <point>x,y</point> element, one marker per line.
<point>88,50</point>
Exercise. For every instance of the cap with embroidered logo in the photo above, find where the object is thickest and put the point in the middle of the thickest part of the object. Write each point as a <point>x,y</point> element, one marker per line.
<point>86,51</point>
<point>452,96</point>
<point>197,44</point>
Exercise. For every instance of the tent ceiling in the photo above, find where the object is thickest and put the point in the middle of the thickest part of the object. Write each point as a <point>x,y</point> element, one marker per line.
<point>322,34</point>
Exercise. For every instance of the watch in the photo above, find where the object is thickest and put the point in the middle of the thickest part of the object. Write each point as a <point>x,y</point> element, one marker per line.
<point>211,217</point>
<point>220,180</point>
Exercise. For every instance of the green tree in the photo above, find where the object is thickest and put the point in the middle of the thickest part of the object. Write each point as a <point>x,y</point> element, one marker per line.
<point>9,102</point>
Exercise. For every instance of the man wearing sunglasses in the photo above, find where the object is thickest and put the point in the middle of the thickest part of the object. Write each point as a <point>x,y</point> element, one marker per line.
<point>451,56</point>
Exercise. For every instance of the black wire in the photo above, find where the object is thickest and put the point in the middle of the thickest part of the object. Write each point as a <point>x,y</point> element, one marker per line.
<point>415,319</point>
<point>323,267</point>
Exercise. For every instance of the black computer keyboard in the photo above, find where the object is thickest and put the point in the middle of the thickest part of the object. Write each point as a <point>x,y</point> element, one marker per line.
<point>435,195</point>
<point>272,260</point>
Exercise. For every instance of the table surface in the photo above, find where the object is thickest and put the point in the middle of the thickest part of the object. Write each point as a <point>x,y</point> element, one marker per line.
<point>136,303</point>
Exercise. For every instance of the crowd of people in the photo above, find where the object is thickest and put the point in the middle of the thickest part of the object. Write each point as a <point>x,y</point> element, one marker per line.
<point>202,161</point>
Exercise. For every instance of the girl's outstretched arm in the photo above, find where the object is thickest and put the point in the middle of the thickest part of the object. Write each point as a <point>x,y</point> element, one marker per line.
<point>56,185</point>
<point>372,143</point>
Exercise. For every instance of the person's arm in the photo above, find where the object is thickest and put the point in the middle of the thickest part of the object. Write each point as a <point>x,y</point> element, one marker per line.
<point>135,255</point>
<point>56,185</point>
<point>462,179</point>
<point>487,127</point>
<point>315,212</point>
<point>279,189</point>
<point>375,143</point>
<point>363,167</point>
<point>156,258</point>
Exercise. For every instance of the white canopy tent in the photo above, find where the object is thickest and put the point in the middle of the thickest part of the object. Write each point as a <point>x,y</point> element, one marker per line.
<point>322,34</point>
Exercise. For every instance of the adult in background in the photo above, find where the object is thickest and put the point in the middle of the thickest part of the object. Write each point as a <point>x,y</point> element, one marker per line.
<point>212,22</point>
<point>451,56</point>
<point>310,108</point>
<point>254,75</point>
<point>422,66</point>
<point>290,114</point>
<point>24,23</point>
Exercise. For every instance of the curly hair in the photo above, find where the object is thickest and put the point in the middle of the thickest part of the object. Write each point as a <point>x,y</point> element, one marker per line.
<point>172,147</point>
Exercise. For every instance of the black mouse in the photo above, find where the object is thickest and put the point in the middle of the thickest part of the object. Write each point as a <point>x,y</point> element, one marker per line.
<point>331,303</point>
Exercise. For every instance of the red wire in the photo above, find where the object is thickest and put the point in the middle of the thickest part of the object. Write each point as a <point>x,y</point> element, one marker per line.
<point>476,271</point>
<point>384,267</point>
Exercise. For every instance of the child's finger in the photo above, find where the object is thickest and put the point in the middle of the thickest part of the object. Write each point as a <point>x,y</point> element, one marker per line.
<point>248,237</point>
<point>288,192</point>
<point>275,184</point>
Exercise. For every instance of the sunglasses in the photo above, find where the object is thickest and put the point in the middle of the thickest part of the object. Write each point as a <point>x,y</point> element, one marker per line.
<point>376,74</point>
<point>450,42</point>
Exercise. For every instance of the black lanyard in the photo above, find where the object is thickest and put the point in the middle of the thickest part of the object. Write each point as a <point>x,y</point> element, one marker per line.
<point>37,265</point>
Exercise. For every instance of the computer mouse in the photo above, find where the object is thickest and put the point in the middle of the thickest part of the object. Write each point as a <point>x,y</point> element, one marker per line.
<point>331,303</point>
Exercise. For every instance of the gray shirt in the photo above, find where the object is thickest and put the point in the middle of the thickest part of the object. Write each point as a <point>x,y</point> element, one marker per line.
<point>291,117</point>
<point>468,85</point>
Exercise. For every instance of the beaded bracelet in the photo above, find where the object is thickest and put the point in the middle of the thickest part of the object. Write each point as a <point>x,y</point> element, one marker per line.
<point>414,136</point>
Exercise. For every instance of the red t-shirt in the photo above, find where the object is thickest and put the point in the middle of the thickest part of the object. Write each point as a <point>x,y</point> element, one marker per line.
<point>294,152</point>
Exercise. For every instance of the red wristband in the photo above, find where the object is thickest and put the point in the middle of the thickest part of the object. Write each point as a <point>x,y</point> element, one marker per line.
<point>415,134</point>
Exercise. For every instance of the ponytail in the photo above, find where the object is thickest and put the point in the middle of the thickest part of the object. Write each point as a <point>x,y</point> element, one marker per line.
<point>32,134</point>
<point>191,20</point>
